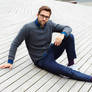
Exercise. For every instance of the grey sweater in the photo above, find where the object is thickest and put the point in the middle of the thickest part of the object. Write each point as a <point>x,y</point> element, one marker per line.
<point>37,39</point>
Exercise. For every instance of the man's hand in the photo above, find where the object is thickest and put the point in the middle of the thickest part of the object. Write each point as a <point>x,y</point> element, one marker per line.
<point>59,39</point>
<point>6,66</point>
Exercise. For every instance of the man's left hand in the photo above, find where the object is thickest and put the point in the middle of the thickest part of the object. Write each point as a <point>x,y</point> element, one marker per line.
<point>59,39</point>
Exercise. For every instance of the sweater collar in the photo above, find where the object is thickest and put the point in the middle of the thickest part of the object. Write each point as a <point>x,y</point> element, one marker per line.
<point>38,24</point>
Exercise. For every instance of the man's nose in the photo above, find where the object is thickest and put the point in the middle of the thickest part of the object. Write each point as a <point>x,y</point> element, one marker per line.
<point>44,18</point>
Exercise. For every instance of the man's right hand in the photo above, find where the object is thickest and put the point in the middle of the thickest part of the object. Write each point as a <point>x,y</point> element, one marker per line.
<point>6,66</point>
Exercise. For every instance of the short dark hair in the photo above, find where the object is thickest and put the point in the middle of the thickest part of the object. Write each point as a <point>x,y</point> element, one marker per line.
<point>46,8</point>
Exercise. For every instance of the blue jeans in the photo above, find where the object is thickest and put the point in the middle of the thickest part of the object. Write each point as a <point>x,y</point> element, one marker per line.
<point>49,64</point>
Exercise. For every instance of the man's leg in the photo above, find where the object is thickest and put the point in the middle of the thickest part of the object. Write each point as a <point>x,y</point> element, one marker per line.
<point>70,49</point>
<point>68,44</point>
<point>49,64</point>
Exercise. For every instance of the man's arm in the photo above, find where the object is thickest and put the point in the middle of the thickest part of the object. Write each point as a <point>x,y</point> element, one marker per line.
<point>15,44</point>
<point>64,30</point>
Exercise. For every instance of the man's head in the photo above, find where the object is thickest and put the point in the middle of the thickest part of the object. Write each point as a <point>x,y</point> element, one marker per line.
<point>43,15</point>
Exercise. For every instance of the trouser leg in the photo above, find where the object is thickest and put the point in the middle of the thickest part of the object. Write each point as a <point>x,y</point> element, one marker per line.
<point>67,44</point>
<point>49,64</point>
<point>70,47</point>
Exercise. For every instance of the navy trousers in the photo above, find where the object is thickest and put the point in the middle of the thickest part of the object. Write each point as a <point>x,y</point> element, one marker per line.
<point>48,62</point>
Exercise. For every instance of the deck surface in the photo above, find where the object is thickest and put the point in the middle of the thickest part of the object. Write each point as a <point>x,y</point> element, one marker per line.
<point>25,76</point>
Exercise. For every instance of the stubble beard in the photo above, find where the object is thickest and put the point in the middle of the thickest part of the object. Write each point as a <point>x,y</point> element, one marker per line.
<point>42,23</point>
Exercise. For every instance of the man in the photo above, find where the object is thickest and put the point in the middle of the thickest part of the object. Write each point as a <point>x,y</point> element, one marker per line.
<point>37,36</point>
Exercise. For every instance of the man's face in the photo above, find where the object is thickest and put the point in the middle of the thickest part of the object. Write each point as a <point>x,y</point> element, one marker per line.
<point>43,17</point>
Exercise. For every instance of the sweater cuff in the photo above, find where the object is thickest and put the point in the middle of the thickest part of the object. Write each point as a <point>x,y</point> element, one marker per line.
<point>10,61</point>
<point>64,33</point>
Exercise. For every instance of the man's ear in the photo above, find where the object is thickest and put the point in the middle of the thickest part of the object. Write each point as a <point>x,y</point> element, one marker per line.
<point>37,14</point>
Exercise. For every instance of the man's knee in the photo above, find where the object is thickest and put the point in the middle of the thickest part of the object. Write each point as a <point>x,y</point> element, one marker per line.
<point>71,37</point>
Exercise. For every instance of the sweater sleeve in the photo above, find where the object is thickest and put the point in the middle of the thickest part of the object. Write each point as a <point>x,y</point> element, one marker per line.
<point>15,44</point>
<point>66,30</point>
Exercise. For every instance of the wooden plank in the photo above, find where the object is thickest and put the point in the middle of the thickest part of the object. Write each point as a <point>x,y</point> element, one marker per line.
<point>49,84</point>
<point>32,80</point>
<point>22,79</point>
<point>14,78</point>
<point>37,85</point>
<point>58,85</point>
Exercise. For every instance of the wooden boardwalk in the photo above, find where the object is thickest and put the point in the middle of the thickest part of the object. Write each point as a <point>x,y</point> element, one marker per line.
<point>25,77</point>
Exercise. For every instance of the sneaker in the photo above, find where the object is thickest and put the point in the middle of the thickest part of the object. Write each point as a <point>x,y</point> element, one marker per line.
<point>74,67</point>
